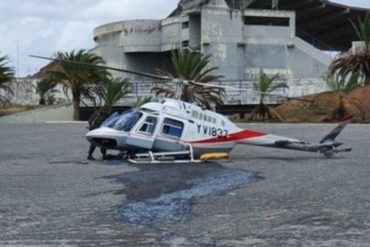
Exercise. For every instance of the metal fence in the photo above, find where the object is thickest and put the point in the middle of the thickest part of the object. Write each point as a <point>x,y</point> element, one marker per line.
<point>237,91</point>
<point>242,92</point>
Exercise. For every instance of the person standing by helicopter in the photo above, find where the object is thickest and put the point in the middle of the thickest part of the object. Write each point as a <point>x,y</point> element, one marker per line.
<point>95,122</point>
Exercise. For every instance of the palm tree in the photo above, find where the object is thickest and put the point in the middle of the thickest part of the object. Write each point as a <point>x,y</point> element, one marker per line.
<point>141,100</point>
<point>6,76</point>
<point>192,66</point>
<point>74,74</point>
<point>342,86</point>
<point>45,89</point>
<point>362,30</point>
<point>357,61</point>
<point>112,90</point>
<point>265,86</point>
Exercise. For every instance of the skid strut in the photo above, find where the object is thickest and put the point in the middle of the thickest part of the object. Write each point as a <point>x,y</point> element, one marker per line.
<point>165,157</point>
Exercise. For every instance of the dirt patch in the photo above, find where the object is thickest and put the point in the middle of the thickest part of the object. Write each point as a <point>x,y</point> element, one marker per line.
<point>357,104</point>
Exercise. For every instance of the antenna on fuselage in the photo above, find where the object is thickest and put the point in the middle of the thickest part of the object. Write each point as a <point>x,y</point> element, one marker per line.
<point>179,83</point>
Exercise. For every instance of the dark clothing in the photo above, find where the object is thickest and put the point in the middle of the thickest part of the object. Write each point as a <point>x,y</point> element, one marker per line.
<point>92,149</point>
<point>95,122</point>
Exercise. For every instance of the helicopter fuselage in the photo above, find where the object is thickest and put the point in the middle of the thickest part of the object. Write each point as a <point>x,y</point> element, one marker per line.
<point>169,126</point>
<point>176,126</point>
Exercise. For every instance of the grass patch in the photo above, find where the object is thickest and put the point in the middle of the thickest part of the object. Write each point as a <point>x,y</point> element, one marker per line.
<point>7,110</point>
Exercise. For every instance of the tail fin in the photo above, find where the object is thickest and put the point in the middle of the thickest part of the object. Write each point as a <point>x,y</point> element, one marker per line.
<point>336,131</point>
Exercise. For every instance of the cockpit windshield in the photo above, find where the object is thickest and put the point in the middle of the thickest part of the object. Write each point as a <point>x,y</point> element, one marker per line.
<point>109,122</point>
<point>123,122</point>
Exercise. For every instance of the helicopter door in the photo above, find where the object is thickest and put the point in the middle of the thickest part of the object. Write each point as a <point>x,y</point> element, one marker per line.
<point>144,135</point>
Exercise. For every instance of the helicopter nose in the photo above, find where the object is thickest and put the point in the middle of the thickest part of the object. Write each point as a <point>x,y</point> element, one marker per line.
<point>107,138</point>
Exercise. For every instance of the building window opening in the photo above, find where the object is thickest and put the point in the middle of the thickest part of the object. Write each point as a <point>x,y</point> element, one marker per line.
<point>185,25</point>
<point>266,21</point>
<point>185,43</point>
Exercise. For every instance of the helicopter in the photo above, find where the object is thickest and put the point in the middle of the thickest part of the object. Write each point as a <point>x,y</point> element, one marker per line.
<point>174,131</point>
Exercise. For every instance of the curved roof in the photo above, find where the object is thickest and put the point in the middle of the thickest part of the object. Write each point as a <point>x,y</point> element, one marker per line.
<point>322,23</point>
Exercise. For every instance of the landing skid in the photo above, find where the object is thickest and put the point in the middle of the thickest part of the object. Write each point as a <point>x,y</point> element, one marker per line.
<point>165,157</point>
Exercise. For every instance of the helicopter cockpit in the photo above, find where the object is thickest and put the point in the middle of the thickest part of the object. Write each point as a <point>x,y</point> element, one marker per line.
<point>124,121</point>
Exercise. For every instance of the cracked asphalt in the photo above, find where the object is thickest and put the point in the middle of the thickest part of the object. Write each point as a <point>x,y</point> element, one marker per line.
<point>50,195</point>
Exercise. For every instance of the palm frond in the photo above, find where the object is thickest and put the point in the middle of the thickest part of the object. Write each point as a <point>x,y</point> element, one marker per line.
<point>343,83</point>
<point>193,66</point>
<point>362,30</point>
<point>6,76</point>
<point>112,90</point>
<point>78,77</point>
<point>265,85</point>
<point>141,100</point>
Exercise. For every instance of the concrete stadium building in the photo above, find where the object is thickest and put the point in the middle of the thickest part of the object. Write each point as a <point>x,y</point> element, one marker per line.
<point>285,37</point>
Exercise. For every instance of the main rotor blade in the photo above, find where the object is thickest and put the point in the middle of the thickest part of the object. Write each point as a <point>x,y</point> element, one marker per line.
<point>215,85</point>
<point>105,67</point>
<point>246,89</point>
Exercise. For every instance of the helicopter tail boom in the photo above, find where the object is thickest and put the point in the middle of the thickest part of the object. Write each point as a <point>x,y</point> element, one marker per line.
<point>327,146</point>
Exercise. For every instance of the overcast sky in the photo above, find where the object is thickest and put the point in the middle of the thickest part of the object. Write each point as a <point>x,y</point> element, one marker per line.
<point>44,27</point>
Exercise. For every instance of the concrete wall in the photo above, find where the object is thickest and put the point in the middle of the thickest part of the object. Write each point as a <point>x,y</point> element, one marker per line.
<point>222,34</point>
<point>24,92</point>
<point>239,50</point>
<point>42,115</point>
<point>141,36</point>
<point>172,33</point>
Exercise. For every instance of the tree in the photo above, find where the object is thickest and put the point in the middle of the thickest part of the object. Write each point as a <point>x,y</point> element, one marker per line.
<point>112,90</point>
<point>342,86</point>
<point>6,76</point>
<point>45,89</point>
<point>362,29</point>
<point>192,66</point>
<point>358,61</point>
<point>264,86</point>
<point>74,73</point>
<point>141,100</point>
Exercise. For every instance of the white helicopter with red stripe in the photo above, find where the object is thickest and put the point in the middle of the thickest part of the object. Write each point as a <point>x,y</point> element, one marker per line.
<point>177,132</point>
<point>173,131</point>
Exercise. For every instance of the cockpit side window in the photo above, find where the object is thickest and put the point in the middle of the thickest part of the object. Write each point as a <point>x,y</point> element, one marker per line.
<point>148,126</point>
<point>172,127</point>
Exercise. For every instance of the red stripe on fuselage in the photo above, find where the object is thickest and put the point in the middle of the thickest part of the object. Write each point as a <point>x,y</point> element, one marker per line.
<point>241,135</point>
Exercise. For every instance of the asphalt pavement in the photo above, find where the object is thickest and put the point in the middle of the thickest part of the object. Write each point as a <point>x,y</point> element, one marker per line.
<point>50,195</point>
